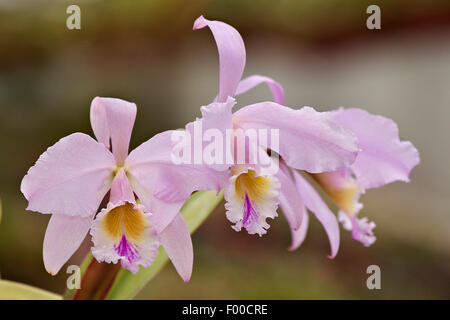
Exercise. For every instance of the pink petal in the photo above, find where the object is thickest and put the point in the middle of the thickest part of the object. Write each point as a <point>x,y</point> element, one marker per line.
<point>121,189</point>
<point>315,204</point>
<point>217,118</point>
<point>309,140</point>
<point>70,178</point>
<point>275,88</point>
<point>384,158</point>
<point>231,55</point>
<point>299,235</point>
<point>152,167</point>
<point>113,119</point>
<point>135,245</point>
<point>290,201</point>
<point>63,237</point>
<point>177,243</point>
<point>162,212</point>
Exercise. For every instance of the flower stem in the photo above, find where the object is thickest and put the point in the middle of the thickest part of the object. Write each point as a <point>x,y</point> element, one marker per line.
<point>97,280</point>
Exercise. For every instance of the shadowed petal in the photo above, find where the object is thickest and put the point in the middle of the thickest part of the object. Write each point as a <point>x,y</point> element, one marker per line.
<point>63,237</point>
<point>113,119</point>
<point>177,243</point>
<point>275,88</point>
<point>342,188</point>
<point>121,189</point>
<point>309,140</point>
<point>383,157</point>
<point>316,205</point>
<point>231,55</point>
<point>70,178</point>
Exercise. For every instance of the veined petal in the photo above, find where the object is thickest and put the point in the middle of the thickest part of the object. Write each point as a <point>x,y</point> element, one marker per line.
<point>177,243</point>
<point>251,199</point>
<point>153,168</point>
<point>316,205</point>
<point>231,55</point>
<point>63,237</point>
<point>275,88</point>
<point>383,157</point>
<point>123,232</point>
<point>308,140</point>
<point>113,119</point>
<point>70,178</point>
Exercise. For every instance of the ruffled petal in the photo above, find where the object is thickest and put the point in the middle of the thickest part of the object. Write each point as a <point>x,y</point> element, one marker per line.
<point>123,232</point>
<point>316,205</point>
<point>63,237</point>
<point>362,228</point>
<point>275,88</point>
<point>308,140</point>
<point>152,167</point>
<point>177,243</point>
<point>251,198</point>
<point>70,178</point>
<point>113,119</point>
<point>231,55</point>
<point>383,157</point>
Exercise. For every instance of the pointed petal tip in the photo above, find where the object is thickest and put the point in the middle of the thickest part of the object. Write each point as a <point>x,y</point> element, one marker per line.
<point>199,23</point>
<point>52,271</point>
<point>186,279</point>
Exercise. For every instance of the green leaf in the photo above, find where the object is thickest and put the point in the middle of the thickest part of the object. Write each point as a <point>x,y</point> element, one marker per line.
<point>10,290</point>
<point>196,209</point>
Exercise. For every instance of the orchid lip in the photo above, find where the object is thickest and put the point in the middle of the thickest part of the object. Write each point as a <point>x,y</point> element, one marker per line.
<point>250,214</point>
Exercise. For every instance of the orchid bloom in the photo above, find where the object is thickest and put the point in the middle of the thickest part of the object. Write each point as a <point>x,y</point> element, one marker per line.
<point>383,158</point>
<point>308,140</point>
<point>72,177</point>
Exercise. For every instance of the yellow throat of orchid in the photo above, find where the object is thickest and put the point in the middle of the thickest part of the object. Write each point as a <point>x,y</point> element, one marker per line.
<point>125,221</point>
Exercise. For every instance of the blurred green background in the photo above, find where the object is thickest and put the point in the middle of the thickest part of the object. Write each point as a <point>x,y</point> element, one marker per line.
<point>325,57</point>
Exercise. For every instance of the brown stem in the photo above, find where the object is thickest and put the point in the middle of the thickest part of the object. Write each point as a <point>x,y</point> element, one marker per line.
<point>97,281</point>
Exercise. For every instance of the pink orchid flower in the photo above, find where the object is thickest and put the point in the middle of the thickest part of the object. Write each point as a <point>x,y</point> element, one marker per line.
<point>308,140</point>
<point>72,177</point>
<point>383,159</point>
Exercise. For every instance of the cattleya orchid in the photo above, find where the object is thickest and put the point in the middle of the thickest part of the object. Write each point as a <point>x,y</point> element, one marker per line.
<point>319,144</point>
<point>72,177</point>
<point>382,158</point>
<point>308,140</point>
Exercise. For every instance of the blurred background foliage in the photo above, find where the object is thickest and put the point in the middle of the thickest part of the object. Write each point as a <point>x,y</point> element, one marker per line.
<point>323,54</point>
